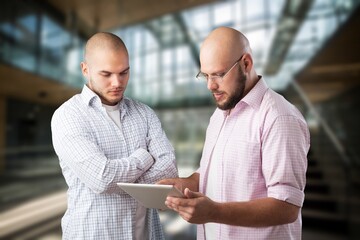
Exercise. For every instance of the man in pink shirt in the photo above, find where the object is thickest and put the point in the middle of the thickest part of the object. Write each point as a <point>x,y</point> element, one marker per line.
<point>251,179</point>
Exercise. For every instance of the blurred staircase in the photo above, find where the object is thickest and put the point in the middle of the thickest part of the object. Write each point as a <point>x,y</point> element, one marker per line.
<point>325,198</point>
<point>332,192</point>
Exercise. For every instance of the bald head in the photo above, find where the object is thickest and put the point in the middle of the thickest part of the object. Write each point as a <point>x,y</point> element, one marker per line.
<point>226,52</point>
<point>105,42</point>
<point>225,44</point>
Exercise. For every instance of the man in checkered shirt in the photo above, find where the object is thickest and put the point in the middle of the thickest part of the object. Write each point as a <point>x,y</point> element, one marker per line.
<point>102,138</point>
<point>251,179</point>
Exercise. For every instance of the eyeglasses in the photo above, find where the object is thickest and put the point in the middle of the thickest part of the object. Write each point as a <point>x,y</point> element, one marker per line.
<point>218,77</point>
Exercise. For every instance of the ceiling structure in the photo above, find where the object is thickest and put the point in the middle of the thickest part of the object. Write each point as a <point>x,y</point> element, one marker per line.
<point>336,67</point>
<point>320,79</point>
<point>92,15</point>
<point>88,17</point>
<point>30,87</point>
<point>289,23</point>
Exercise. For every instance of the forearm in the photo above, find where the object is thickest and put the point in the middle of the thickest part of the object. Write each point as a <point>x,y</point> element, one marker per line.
<point>94,169</point>
<point>163,153</point>
<point>101,175</point>
<point>162,168</point>
<point>256,213</point>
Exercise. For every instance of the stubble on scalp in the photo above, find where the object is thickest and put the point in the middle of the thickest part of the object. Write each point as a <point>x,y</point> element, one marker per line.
<point>102,41</point>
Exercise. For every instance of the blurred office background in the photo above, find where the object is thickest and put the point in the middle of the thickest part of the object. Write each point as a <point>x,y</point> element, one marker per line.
<point>309,51</point>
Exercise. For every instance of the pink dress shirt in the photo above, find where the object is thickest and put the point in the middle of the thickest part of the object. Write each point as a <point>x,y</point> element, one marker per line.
<point>263,153</point>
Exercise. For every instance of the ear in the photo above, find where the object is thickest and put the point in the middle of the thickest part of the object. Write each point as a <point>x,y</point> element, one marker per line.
<point>248,62</point>
<point>84,70</point>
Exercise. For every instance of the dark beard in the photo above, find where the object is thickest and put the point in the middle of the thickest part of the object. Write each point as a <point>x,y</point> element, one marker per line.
<point>237,96</point>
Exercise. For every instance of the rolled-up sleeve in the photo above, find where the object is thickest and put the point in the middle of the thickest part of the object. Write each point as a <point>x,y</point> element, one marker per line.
<point>284,150</point>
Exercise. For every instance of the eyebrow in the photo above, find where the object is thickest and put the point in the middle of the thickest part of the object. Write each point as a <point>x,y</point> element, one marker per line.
<point>108,72</point>
<point>126,69</point>
<point>214,73</point>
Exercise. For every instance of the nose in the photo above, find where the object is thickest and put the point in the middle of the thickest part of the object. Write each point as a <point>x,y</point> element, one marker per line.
<point>212,84</point>
<point>115,80</point>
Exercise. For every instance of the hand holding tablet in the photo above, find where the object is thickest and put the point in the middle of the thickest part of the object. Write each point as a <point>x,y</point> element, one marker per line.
<point>150,195</point>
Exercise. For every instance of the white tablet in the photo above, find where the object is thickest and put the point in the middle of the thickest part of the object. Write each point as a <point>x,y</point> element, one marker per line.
<point>150,195</point>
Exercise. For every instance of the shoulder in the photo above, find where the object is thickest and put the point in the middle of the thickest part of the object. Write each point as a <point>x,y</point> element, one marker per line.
<point>277,112</point>
<point>71,108</point>
<point>280,117</point>
<point>134,105</point>
<point>275,105</point>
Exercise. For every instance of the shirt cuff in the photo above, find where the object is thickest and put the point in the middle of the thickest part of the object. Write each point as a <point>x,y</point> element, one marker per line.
<point>287,193</point>
<point>145,160</point>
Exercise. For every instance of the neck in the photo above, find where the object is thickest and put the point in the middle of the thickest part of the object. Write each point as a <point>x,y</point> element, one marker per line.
<point>252,80</point>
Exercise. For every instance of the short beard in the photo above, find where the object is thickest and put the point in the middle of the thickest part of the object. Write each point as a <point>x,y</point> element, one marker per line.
<point>237,94</point>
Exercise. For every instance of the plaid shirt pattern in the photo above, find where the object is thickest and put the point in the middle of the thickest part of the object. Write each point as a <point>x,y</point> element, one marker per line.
<point>95,154</point>
<point>262,152</point>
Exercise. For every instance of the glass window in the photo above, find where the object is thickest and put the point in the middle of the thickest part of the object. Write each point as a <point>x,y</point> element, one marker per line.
<point>223,14</point>
<point>28,23</point>
<point>275,8</point>
<point>138,40</point>
<point>255,10</point>
<point>259,43</point>
<point>168,62</point>
<point>151,65</point>
<point>151,43</point>
<point>199,19</point>
<point>9,30</point>
<point>182,63</point>
<point>73,59</point>
<point>53,36</point>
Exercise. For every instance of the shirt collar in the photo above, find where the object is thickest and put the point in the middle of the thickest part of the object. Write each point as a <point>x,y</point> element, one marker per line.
<point>88,96</point>
<point>91,98</point>
<point>253,98</point>
<point>256,94</point>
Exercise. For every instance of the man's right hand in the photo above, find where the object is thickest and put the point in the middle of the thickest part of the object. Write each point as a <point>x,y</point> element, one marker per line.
<point>191,182</point>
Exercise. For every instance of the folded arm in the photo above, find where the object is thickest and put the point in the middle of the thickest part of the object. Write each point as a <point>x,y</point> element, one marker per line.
<point>161,150</point>
<point>78,151</point>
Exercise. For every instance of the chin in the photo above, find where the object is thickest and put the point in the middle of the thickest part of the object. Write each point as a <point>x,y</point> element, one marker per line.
<point>115,100</point>
<point>222,105</point>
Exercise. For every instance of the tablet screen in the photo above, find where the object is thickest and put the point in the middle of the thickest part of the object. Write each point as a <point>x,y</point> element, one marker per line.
<point>150,195</point>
